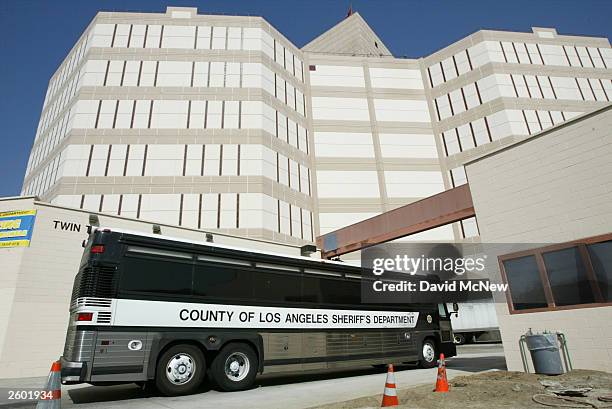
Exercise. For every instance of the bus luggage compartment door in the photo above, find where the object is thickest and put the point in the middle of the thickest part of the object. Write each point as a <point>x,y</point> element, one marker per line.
<point>399,345</point>
<point>121,356</point>
<point>314,350</point>
<point>282,352</point>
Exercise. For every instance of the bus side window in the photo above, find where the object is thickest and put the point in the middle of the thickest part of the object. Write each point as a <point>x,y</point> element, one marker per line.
<point>326,290</point>
<point>340,291</point>
<point>311,289</point>
<point>442,310</point>
<point>220,281</point>
<point>150,274</point>
<point>276,287</point>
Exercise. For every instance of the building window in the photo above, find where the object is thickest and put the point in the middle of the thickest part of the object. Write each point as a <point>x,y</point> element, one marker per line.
<point>601,259</point>
<point>564,276</point>
<point>525,285</point>
<point>568,278</point>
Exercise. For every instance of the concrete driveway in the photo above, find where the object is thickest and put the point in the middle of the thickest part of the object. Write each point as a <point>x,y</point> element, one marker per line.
<point>282,391</point>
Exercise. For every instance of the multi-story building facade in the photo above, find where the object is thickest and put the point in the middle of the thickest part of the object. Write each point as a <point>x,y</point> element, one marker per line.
<point>183,119</point>
<point>374,144</point>
<point>220,122</point>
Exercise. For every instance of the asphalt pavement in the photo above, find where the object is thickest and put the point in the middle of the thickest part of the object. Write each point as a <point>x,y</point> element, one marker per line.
<point>272,391</point>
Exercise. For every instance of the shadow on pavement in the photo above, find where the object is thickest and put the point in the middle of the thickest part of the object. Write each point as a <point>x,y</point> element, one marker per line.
<point>323,375</point>
<point>477,364</point>
<point>97,394</point>
<point>90,394</point>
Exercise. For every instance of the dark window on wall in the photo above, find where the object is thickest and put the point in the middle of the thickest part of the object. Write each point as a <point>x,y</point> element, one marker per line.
<point>601,260</point>
<point>570,275</point>
<point>567,276</point>
<point>524,283</point>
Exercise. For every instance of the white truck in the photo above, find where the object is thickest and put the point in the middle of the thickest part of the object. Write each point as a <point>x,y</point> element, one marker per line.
<point>475,321</point>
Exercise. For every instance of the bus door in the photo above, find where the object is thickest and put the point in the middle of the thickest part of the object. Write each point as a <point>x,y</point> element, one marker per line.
<point>446,330</point>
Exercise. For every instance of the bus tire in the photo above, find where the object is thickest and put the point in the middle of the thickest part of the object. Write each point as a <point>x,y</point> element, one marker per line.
<point>428,353</point>
<point>180,370</point>
<point>234,368</point>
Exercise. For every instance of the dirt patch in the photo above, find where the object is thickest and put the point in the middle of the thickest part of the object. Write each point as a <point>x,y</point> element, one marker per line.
<point>496,390</point>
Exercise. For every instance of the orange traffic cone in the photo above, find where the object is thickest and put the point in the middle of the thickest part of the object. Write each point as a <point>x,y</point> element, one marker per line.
<point>390,395</point>
<point>441,381</point>
<point>51,397</point>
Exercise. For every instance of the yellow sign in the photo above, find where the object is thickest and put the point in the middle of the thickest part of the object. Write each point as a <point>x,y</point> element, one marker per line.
<point>16,228</point>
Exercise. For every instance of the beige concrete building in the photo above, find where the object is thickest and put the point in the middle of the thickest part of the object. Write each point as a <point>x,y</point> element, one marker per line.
<point>220,122</point>
<point>373,138</point>
<point>494,88</point>
<point>554,187</point>
<point>192,120</point>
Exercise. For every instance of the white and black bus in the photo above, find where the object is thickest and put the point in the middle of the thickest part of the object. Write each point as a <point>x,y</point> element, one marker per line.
<point>153,308</point>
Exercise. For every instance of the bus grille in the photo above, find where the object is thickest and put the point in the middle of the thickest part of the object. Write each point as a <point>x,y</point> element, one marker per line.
<point>103,317</point>
<point>98,282</point>
<point>91,302</point>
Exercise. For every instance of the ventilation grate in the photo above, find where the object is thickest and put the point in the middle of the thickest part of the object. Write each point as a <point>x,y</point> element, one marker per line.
<point>94,282</point>
<point>92,302</point>
<point>104,318</point>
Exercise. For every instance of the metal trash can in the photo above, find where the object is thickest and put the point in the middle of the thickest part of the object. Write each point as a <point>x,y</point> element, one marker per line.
<point>545,354</point>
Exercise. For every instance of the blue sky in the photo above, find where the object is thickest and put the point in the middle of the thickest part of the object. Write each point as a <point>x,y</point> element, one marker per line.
<point>36,35</point>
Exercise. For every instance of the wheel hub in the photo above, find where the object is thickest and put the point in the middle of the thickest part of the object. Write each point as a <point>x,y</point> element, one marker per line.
<point>237,366</point>
<point>180,369</point>
<point>428,352</point>
<point>234,366</point>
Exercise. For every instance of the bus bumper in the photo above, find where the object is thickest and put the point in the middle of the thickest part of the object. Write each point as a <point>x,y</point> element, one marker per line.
<point>73,372</point>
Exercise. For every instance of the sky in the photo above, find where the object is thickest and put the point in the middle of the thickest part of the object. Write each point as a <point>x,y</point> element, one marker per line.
<point>35,36</point>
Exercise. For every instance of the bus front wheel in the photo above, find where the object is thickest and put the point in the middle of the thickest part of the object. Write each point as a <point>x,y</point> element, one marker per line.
<point>428,354</point>
<point>235,367</point>
<point>180,370</point>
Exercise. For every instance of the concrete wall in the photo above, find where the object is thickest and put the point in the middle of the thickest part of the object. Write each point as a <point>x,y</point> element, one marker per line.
<point>218,129</point>
<point>555,187</point>
<point>36,281</point>
<point>328,135</point>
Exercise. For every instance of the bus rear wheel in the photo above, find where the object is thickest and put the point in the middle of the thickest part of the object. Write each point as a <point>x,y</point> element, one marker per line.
<point>180,370</point>
<point>235,367</point>
<point>428,354</point>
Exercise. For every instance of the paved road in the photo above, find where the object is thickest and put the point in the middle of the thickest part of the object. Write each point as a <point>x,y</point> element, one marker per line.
<point>286,392</point>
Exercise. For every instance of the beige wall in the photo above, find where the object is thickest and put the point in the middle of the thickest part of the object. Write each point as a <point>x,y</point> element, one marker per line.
<point>36,282</point>
<point>555,187</point>
<point>505,108</point>
<point>74,85</point>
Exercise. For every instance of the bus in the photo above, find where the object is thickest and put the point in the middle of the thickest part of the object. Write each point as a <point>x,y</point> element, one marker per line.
<point>147,308</point>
